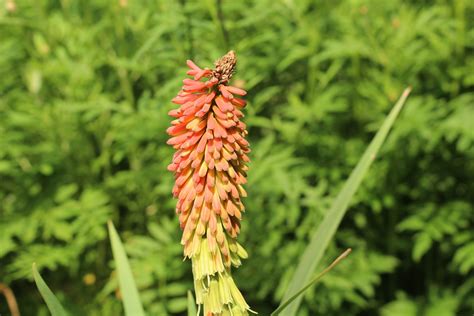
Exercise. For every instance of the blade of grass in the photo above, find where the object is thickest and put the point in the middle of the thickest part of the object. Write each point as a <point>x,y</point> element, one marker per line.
<point>128,288</point>
<point>312,282</point>
<point>326,230</point>
<point>52,302</point>
<point>191,305</point>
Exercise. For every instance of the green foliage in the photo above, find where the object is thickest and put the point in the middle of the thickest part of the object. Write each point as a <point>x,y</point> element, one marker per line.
<point>128,288</point>
<point>84,92</point>
<point>191,305</point>
<point>291,301</point>
<point>53,303</point>
<point>446,304</point>
<point>326,230</point>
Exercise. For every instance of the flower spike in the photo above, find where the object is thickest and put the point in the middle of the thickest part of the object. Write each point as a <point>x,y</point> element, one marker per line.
<point>210,168</point>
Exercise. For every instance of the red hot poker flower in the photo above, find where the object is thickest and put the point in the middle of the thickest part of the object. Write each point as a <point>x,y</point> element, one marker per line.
<point>210,169</point>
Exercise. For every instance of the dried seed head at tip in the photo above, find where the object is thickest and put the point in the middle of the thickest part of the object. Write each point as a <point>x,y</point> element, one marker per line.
<point>225,67</point>
<point>210,169</point>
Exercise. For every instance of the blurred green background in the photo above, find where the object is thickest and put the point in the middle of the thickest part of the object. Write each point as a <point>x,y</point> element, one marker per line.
<point>85,87</point>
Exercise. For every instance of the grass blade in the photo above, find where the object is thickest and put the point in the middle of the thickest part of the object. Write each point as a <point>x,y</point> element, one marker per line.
<point>52,302</point>
<point>128,288</point>
<point>191,305</point>
<point>326,230</point>
<point>312,282</point>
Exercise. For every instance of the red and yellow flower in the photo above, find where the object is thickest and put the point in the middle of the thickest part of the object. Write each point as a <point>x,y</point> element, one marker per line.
<point>210,168</point>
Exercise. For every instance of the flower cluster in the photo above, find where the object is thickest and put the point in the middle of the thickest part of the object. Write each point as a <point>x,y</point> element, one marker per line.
<point>210,168</point>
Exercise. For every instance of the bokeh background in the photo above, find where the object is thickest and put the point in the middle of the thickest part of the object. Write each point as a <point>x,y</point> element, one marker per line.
<point>85,87</point>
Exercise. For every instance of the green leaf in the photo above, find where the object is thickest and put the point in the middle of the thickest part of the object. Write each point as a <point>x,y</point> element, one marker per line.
<point>401,306</point>
<point>53,303</point>
<point>191,305</point>
<point>422,244</point>
<point>128,288</point>
<point>311,283</point>
<point>326,230</point>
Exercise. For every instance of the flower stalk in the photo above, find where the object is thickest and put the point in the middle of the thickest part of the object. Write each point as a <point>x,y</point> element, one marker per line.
<point>210,169</point>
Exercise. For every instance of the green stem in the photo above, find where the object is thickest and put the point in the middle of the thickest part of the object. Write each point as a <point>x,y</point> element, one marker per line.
<point>311,282</point>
